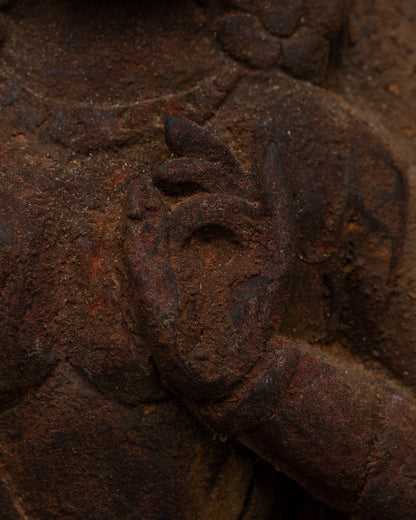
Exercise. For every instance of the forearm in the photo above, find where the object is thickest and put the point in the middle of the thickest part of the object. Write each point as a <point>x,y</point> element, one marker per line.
<point>341,432</point>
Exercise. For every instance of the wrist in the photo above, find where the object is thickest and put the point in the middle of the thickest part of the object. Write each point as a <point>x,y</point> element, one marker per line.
<point>256,396</point>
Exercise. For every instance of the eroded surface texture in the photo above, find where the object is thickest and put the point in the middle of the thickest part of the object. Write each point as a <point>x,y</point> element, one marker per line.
<point>96,421</point>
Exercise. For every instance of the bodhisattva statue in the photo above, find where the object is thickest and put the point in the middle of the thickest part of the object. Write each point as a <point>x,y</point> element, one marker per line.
<point>209,329</point>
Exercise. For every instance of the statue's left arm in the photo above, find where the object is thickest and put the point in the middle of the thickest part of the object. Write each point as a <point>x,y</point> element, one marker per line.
<point>341,432</point>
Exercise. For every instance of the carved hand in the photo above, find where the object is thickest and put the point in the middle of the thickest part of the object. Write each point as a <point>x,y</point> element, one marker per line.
<point>210,258</point>
<point>211,262</point>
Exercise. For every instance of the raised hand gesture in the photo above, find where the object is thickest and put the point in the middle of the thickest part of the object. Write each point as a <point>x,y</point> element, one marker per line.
<point>211,258</point>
